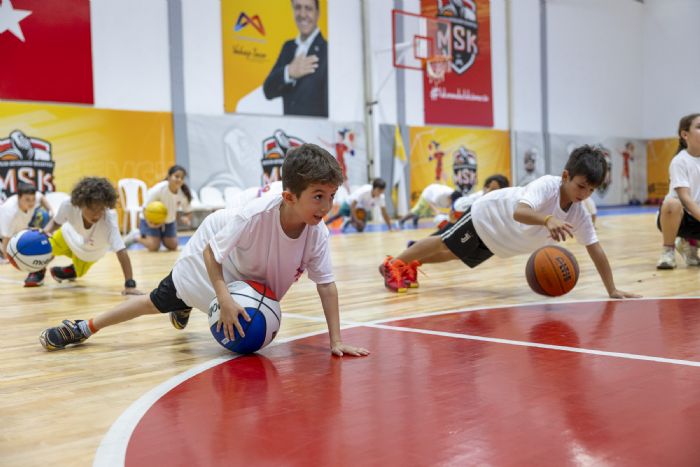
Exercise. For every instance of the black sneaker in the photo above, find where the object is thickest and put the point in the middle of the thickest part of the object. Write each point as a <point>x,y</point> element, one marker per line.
<point>66,273</point>
<point>180,318</point>
<point>59,337</point>
<point>35,279</point>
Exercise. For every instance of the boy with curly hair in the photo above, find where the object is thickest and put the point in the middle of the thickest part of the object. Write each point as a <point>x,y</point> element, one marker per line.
<point>84,229</point>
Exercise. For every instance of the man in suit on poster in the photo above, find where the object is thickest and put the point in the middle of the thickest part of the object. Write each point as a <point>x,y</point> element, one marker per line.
<point>300,74</point>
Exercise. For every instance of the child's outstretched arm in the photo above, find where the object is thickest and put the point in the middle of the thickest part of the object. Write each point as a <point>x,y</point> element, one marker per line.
<point>129,282</point>
<point>558,229</point>
<point>329,302</point>
<point>595,251</point>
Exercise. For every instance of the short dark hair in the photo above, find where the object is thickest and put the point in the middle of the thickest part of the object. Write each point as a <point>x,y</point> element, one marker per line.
<point>25,189</point>
<point>94,191</point>
<point>307,164</point>
<point>502,181</point>
<point>588,161</point>
<point>684,125</point>
<point>379,183</point>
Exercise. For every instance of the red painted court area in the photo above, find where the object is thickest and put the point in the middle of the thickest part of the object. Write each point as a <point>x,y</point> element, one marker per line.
<point>436,399</point>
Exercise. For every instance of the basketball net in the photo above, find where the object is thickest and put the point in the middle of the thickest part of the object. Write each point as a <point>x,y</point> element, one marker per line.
<point>436,67</point>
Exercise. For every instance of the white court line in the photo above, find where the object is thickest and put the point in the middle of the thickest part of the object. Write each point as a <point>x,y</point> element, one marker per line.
<point>112,449</point>
<point>497,340</point>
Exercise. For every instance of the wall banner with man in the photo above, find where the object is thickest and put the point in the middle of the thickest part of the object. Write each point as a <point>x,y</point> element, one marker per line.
<point>459,157</point>
<point>275,57</point>
<point>246,152</point>
<point>626,182</point>
<point>53,146</point>
<point>465,96</point>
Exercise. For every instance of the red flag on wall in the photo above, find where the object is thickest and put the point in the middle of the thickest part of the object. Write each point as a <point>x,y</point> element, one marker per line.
<point>46,50</point>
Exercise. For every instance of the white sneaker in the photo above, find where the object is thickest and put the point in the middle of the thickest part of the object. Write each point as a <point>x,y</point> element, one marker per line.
<point>132,237</point>
<point>667,259</point>
<point>688,252</point>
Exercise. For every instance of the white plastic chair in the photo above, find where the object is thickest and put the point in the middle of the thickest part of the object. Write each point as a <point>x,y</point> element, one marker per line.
<point>55,199</point>
<point>132,193</point>
<point>211,197</point>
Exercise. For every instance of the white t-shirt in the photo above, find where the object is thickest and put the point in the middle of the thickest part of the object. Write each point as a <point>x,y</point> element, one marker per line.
<point>463,202</point>
<point>685,173</point>
<point>363,196</point>
<point>172,201</point>
<point>493,218</point>
<point>438,195</point>
<point>251,245</point>
<point>89,244</point>
<point>12,218</point>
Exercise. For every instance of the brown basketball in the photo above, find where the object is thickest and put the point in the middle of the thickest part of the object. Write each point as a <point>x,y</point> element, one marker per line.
<point>552,270</point>
<point>360,214</point>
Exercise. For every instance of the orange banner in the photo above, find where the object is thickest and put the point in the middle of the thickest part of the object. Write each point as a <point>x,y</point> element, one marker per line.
<point>452,155</point>
<point>253,36</point>
<point>659,155</point>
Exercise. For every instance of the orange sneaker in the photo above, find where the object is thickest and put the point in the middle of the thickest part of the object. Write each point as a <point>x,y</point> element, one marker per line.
<point>410,274</point>
<point>392,271</point>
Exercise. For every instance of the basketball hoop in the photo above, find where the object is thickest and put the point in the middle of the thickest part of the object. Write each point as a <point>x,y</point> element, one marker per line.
<point>436,67</point>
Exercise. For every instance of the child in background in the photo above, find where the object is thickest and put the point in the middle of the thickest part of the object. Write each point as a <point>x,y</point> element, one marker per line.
<point>174,193</point>
<point>272,240</point>
<point>84,229</point>
<point>366,198</point>
<point>19,212</point>
<point>679,215</point>
<point>434,198</point>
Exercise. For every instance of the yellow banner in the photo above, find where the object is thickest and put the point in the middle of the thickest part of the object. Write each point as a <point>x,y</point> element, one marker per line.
<point>87,141</point>
<point>253,34</point>
<point>659,155</point>
<point>447,156</point>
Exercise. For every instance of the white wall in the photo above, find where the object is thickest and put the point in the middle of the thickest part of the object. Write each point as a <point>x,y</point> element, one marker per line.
<point>526,86</point>
<point>345,67</point>
<point>203,58</point>
<point>595,64</point>
<point>671,65</point>
<point>130,54</point>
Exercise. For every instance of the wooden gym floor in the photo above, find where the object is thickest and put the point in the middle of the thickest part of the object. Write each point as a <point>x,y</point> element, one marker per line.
<point>494,382</point>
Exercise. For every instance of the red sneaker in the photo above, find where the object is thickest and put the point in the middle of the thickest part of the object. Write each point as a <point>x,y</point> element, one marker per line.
<point>392,270</point>
<point>410,274</point>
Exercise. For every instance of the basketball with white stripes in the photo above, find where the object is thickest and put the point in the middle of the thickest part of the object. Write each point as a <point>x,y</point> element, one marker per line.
<point>261,304</point>
<point>552,271</point>
<point>29,250</point>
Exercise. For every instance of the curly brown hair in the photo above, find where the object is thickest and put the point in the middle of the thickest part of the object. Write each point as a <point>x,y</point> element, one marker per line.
<point>93,192</point>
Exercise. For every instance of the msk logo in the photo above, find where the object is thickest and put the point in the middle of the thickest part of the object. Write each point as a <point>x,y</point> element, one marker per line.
<point>244,20</point>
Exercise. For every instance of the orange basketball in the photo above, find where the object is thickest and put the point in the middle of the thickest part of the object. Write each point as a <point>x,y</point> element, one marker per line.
<point>360,214</point>
<point>552,270</point>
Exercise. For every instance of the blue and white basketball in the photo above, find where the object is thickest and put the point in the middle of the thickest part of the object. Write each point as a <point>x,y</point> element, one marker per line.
<point>29,250</point>
<point>265,317</point>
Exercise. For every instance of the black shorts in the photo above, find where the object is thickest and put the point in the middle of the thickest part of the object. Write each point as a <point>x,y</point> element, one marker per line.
<point>689,228</point>
<point>164,297</point>
<point>465,243</point>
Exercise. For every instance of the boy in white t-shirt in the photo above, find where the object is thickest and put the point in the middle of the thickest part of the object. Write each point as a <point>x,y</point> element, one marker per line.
<point>360,203</point>
<point>679,215</point>
<point>514,221</point>
<point>272,240</point>
<point>19,211</point>
<point>84,229</point>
